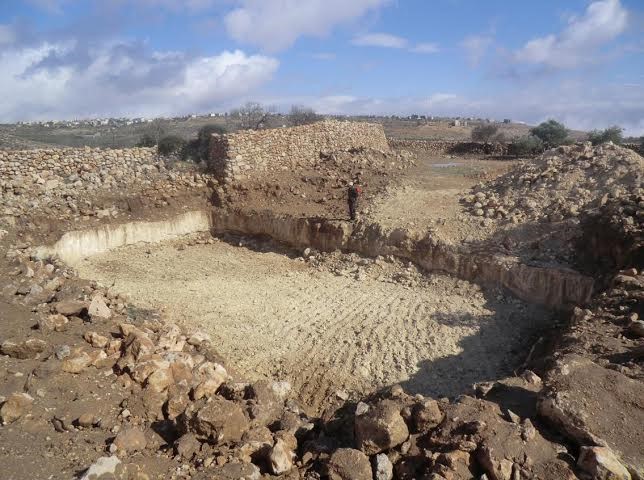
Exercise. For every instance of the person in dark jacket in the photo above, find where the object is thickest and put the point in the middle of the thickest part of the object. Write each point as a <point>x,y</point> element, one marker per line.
<point>353,193</point>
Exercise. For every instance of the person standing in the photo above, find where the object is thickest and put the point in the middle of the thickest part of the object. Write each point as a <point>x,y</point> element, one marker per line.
<point>353,193</point>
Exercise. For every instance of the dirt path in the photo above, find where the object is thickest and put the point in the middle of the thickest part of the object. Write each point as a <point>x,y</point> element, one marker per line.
<point>426,197</point>
<point>273,316</point>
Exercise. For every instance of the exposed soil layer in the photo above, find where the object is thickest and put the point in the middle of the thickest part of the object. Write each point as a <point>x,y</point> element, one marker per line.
<point>356,328</point>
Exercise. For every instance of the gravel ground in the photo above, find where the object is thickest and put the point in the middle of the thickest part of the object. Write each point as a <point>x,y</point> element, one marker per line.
<point>328,329</point>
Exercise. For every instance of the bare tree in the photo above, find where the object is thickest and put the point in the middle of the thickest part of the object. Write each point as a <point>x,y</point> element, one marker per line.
<point>252,115</point>
<point>301,115</point>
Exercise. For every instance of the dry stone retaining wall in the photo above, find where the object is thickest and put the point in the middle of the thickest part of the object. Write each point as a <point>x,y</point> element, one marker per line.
<point>232,155</point>
<point>69,161</point>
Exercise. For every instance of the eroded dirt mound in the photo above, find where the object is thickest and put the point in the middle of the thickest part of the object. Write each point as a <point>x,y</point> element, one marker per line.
<point>560,184</point>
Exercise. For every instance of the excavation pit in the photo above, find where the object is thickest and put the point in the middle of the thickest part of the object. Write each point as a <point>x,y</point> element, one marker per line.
<point>333,324</point>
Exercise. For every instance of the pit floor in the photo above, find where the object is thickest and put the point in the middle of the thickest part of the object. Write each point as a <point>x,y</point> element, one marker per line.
<point>274,316</point>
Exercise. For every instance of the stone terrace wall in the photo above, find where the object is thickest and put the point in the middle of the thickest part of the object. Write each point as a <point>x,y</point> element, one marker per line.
<point>66,162</point>
<point>449,147</point>
<point>53,180</point>
<point>233,155</point>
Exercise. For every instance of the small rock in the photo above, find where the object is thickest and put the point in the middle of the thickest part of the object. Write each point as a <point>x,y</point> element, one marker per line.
<point>70,308</point>
<point>15,407</point>
<point>349,464</point>
<point>98,309</point>
<point>30,348</point>
<point>602,464</point>
<point>76,363</point>
<point>381,428</point>
<point>496,468</point>
<point>87,420</point>
<point>426,415</point>
<point>197,338</point>
<point>55,322</point>
<point>383,468</point>
<point>62,351</point>
<point>281,457</point>
<point>636,328</point>
<point>104,466</point>
<point>220,420</point>
<point>96,340</point>
<point>235,471</point>
<point>187,446</point>
<point>130,440</point>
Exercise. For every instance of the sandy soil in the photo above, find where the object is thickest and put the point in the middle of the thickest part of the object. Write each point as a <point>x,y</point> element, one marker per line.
<point>275,316</point>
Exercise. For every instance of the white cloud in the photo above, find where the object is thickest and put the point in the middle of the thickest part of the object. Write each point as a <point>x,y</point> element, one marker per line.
<point>46,83</point>
<point>476,46</point>
<point>603,21</point>
<point>426,48</point>
<point>384,40</point>
<point>274,25</point>
<point>579,105</point>
<point>7,35</point>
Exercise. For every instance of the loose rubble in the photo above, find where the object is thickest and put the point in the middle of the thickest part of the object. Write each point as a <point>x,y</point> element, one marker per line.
<point>561,184</point>
<point>93,385</point>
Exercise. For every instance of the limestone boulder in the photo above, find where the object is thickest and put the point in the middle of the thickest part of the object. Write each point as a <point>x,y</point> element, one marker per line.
<point>380,428</point>
<point>70,308</point>
<point>602,464</point>
<point>218,420</point>
<point>27,349</point>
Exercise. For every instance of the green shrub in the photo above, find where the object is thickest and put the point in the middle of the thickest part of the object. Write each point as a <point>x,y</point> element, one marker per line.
<point>146,140</point>
<point>484,133</point>
<point>551,133</point>
<point>171,145</point>
<point>190,151</point>
<point>526,145</point>
<point>611,134</point>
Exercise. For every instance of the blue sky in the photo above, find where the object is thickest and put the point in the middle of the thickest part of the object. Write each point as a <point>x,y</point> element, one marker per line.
<point>579,61</point>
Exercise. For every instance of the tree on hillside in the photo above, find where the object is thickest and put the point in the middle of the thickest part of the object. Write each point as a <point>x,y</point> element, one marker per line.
<point>154,130</point>
<point>611,134</point>
<point>300,115</point>
<point>484,133</point>
<point>171,145</point>
<point>146,140</point>
<point>252,116</point>
<point>526,145</point>
<point>551,133</point>
<point>198,149</point>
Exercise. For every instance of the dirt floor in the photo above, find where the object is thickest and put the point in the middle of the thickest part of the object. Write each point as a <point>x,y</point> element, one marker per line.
<point>327,330</point>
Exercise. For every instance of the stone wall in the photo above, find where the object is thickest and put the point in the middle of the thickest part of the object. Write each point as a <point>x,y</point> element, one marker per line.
<point>233,155</point>
<point>437,147</point>
<point>65,162</point>
<point>57,182</point>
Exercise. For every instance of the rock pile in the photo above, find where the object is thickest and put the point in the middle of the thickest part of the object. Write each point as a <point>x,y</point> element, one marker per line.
<point>560,184</point>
